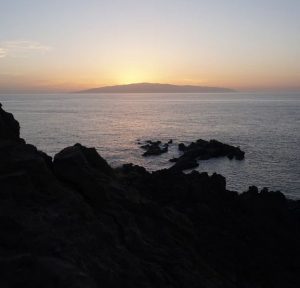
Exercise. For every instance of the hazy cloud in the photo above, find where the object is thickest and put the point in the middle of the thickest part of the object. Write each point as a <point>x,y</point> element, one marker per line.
<point>2,52</point>
<point>19,48</point>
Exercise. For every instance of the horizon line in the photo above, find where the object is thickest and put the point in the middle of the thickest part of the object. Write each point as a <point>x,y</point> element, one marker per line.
<point>76,90</point>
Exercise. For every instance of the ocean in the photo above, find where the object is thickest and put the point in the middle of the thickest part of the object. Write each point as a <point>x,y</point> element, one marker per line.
<point>265,125</point>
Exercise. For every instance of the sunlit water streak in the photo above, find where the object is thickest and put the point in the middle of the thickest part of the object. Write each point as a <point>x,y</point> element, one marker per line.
<point>265,126</point>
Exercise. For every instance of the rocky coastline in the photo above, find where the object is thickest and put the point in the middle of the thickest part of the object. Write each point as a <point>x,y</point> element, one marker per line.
<point>74,221</point>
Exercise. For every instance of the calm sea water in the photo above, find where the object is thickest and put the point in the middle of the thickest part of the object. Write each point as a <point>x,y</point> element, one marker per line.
<point>265,126</point>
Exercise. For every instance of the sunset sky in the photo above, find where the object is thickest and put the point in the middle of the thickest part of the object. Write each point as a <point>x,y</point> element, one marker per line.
<point>65,45</point>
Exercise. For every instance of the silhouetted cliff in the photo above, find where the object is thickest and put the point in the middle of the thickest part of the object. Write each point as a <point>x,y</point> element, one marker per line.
<point>76,222</point>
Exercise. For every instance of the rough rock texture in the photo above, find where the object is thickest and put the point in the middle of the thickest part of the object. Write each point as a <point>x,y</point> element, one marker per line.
<point>203,150</point>
<point>76,222</point>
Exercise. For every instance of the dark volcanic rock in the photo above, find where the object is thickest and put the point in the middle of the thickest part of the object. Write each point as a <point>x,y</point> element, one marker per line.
<point>9,127</point>
<point>154,148</point>
<point>203,150</point>
<point>48,272</point>
<point>184,163</point>
<point>86,170</point>
<point>76,222</point>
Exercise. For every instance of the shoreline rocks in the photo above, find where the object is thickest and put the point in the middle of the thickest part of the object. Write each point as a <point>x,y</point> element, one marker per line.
<point>192,153</point>
<point>154,148</point>
<point>76,222</point>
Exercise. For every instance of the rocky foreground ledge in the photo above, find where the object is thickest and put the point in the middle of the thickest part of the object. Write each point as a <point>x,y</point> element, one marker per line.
<point>76,222</point>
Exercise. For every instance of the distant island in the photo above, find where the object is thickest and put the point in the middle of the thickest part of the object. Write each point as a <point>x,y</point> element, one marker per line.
<point>156,88</point>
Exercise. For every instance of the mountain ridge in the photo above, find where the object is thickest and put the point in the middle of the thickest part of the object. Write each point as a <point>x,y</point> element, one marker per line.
<point>156,88</point>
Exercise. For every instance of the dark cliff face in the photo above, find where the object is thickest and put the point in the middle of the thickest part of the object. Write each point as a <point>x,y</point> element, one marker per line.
<point>9,127</point>
<point>76,222</point>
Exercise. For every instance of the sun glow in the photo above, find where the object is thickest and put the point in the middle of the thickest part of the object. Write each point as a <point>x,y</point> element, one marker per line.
<point>132,76</point>
<point>145,41</point>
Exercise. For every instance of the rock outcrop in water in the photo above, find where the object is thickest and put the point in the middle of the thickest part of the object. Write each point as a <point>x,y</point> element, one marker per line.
<point>203,150</point>
<point>154,148</point>
<point>76,222</point>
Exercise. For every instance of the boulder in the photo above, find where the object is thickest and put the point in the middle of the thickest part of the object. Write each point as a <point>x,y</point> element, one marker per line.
<point>86,170</point>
